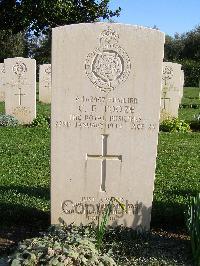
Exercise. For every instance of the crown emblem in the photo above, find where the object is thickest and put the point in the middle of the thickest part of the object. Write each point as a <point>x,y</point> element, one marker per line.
<point>109,65</point>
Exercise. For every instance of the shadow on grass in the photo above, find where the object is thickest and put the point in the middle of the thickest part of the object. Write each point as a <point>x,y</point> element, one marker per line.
<point>17,214</point>
<point>38,192</point>
<point>171,213</point>
<point>168,215</point>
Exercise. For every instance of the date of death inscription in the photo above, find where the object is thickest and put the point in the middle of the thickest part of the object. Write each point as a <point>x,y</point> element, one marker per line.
<point>104,113</point>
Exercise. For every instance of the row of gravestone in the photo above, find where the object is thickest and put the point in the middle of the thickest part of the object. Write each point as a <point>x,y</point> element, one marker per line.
<point>21,88</point>
<point>18,87</point>
<point>172,89</point>
<point>106,91</point>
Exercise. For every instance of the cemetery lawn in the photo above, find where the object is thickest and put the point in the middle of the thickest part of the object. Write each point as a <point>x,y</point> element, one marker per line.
<point>191,97</point>
<point>25,182</point>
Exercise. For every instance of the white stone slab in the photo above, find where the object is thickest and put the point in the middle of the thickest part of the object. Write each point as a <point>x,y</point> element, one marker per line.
<point>171,83</point>
<point>2,86</point>
<point>182,85</point>
<point>20,83</point>
<point>106,89</point>
<point>45,83</point>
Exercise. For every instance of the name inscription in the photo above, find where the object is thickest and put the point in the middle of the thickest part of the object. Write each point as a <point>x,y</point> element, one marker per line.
<point>105,113</point>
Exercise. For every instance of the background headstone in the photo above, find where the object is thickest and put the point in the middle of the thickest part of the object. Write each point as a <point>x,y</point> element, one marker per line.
<point>182,85</point>
<point>20,83</point>
<point>45,83</point>
<point>106,89</point>
<point>2,80</point>
<point>171,83</point>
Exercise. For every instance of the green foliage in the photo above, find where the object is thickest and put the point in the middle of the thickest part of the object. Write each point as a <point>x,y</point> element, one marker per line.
<point>174,125</point>
<point>173,48</point>
<point>192,71</point>
<point>183,46</point>
<point>41,121</point>
<point>105,218</point>
<point>8,121</point>
<point>40,48</point>
<point>11,45</point>
<point>61,246</point>
<point>193,224</point>
<point>16,15</point>
<point>185,49</point>
<point>123,244</point>
<point>16,18</point>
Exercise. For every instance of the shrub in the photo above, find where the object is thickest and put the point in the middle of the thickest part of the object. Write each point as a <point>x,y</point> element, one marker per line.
<point>8,121</point>
<point>174,125</point>
<point>192,72</point>
<point>69,245</point>
<point>41,121</point>
<point>193,224</point>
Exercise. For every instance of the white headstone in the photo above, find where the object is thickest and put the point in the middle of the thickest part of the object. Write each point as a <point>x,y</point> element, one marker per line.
<point>182,84</point>
<point>2,86</point>
<point>20,83</point>
<point>106,88</point>
<point>171,83</point>
<point>45,83</point>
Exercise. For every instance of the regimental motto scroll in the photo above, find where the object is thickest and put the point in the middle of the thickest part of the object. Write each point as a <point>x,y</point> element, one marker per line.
<point>109,65</point>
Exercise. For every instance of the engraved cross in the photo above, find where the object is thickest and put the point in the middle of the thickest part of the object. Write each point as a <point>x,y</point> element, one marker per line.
<point>164,100</point>
<point>103,158</point>
<point>20,94</point>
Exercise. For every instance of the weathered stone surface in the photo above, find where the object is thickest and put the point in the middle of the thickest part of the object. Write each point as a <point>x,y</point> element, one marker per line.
<point>45,83</point>
<point>20,85</point>
<point>171,84</point>
<point>182,84</point>
<point>2,81</point>
<point>106,89</point>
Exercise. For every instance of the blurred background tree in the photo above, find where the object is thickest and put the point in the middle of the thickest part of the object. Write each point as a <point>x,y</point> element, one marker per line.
<point>25,25</point>
<point>185,50</point>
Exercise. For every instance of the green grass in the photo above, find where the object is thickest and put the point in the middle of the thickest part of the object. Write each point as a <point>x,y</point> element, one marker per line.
<point>190,96</point>
<point>191,93</point>
<point>177,175</point>
<point>188,114</point>
<point>24,174</point>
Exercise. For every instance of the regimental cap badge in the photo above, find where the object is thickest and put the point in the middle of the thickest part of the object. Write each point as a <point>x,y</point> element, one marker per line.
<point>109,65</point>
<point>19,68</point>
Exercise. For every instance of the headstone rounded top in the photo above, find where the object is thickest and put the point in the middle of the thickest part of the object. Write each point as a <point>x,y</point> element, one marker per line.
<point>136,27</point>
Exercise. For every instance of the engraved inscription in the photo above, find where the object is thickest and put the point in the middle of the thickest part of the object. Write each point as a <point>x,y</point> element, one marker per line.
<point>92,209</point>
<point>105,113</point>
<point>48,70</point>
<point>3,70</point>
<point>109,65</point>
<point>167,74</point>
<point>21,113</point>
